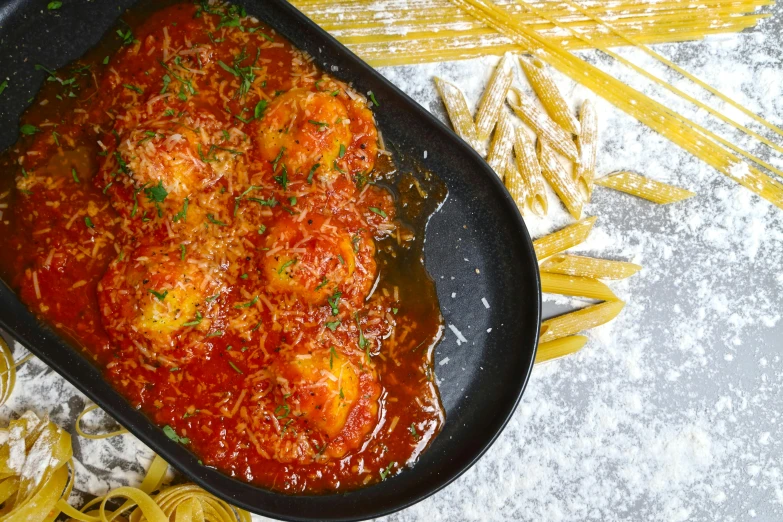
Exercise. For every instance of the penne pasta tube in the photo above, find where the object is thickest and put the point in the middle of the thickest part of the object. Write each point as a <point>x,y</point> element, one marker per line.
<point>588,267</point>
<point>550,96</point>
<point>559,348</point>
<point>516,187</point>
<point>457,109</point>
<point>559,178</point>
<point>575,322</point>
<point>587,144</point>
<point>492,100</point>
<point>576,286</point>
<point>546,129</point>
<point>563,239</point>
<point>645,188</point>
<point>501,145</point>
<point>530,171</point>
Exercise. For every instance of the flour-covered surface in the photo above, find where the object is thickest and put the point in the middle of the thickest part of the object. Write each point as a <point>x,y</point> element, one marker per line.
<point>671,412</point>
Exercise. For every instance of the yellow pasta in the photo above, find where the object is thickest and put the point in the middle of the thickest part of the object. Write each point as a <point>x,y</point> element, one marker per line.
<point>559,179</point>
<point>580,320</point>
<point>563,239</point>
<point>458,111</point>
<point>492,100</point>
<point>587,144</point>
<point>559,348</point>
<point>544,127</point>
<point>8,371</point>
<point>516,187</point>
<point>686,133</point>
<point>575,286</point>
<point>530,172</point>
<point>588,267</point>
<point>549,94</point>
<point>646,188</point>
<point>93,436</point>
<point>500,147</point>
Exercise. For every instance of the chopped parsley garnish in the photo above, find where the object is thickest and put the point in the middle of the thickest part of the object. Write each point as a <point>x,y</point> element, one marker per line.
<point>136,201</point>
<point>412,429</point>
<point>234,366</point>
<point>107,186</point>
<point>277,159</point>
<point>182,214</point>
<point>312,171</point>
<point>284,408</point>
<point>244,73</point>
<point>166,82</point>
<point>182,251</point>
<point>160,296</point>
<point>248,304</point>
<point>3,86</point>
<point>121,162</point>
<point>214,221</point>
<point>184,84</point>
<point>285,265</point>
<point>335,93</point>
<point>258,113</point>
<point>55,136</point>
<point>334,301</point>
<point>374,101</point>
<point>216,333</point>
<point>378,211</point>
<point>342,151</point>
<point>75,176</point>
<point>243,276</point>
<point>342,395</point>
<point>321,125</point>
<point>53,6</point>
<point>333,325</point>
<point>196,321</point>
<point>28,130</point>
<point>133,88</point>
<point>212,298</point>
<point>175,369</point>
<point>292,200</point>
<point>282,179</point>
<point>261,229</point>
<point>363,344</point>
<point>385,472</point>
<point>340,258</point>
<point>395,310</point>
<point>360,179</point>
<point>170,433</point>
<point>126,36</point>
<point>322,284</point>
<point>106,60</point>
<point>332,357</point>
<point>157,194</point>
<point>88,222</point>
<point>337,167</point>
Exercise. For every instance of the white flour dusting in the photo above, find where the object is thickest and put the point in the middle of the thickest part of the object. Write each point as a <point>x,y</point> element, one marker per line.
<point>671,412</point>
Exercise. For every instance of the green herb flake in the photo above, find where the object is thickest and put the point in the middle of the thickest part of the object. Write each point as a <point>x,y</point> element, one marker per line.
<point>171,434</point>
<point>282,179</point>
<point>413,431</point>
<point>214,221</point>
<point>133,88</point>
<point>160,296</point>
<point>216,333</point>
<point>88,222</point>
<point>342,151</point>
<point>261,229</point>
<point>196,321</point>
<point>3,86</point>
<point>321,125</point>
<point>234,366</point>
<point>258,113</point>
<point>312,172</point>
<point>385,472</point>
<point>277,159</point>
<point>333,325</point>
<point>334,301</point>
<point>106,60</point>
<point>332,357</point>
<point>55,5</point>
<point>374,101</point>
<point>182,251</point>
<point>182,214</point>
<point>285,265</point>
<point>28,130</point>
<point>248,304</point>
<point>75,176</point>
<point>322,284</point>
<point>395,310</point>
<point>378,211</point>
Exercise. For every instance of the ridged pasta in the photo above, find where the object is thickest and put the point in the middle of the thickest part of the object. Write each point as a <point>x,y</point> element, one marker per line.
<point>530,172</point>
<point>580,320</point>
<point>550,96</point>
<point>588,267</point>
<point>576,286</point>
<point>587,144</point>
<point>544,127</point>
<point>501,145</point>
<point>493,99</point>
<point>457,109</point>
<point>559,179</point>
<point>516,187</point>
<point>563,239</point>
<point>645,188</point>
<point>559,348</point>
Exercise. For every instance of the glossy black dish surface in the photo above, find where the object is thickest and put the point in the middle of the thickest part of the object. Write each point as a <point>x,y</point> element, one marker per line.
<point>485,377</point>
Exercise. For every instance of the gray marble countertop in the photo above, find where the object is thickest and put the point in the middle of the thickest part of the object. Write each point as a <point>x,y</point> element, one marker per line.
<point>671,412</point>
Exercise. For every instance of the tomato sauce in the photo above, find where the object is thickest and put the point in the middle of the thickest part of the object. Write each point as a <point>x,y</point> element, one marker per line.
<point>214,221</point>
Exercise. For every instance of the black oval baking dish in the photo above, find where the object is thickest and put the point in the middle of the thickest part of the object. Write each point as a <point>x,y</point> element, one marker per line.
<point>476,245</point>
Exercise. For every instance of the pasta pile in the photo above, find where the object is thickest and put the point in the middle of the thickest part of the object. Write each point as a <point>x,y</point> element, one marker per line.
<point>393,32</point>
<point>37,476</point>
<point>8,371</point>
<point>561,151</point>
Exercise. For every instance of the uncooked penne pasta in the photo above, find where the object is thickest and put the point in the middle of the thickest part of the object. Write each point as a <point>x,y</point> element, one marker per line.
<point>516,186</point>
<point>563,239</point>
<point>588,267</point>
<point>559,348</point>
<point>646,188</point>
<point>492,100</point>
<point>542,125</point>
<point>530,172</point>
<point>576,286</point>
<point>501,145</point>
<point>457,108</point>
<point>587,144</point>
<point>550,96</point>
<point>575,322</point>
<point>559,179</point>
